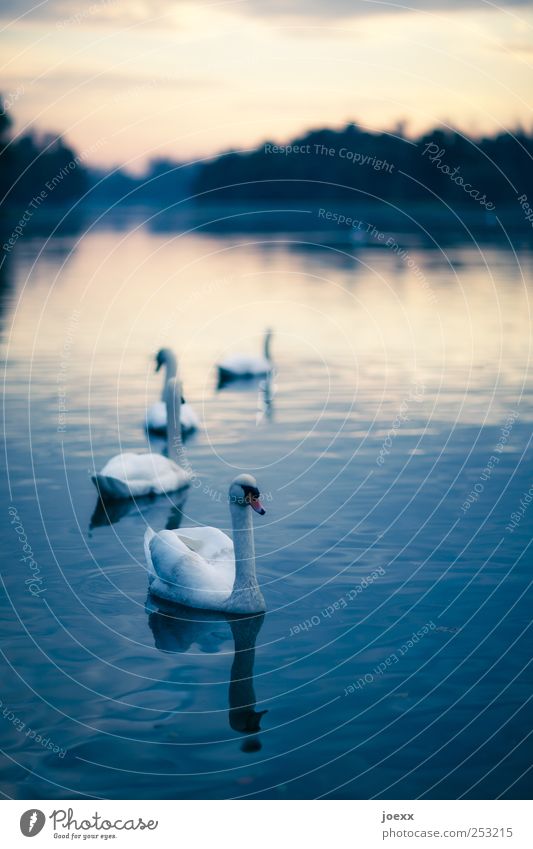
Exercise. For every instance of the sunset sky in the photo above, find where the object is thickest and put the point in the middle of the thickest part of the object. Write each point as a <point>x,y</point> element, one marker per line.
<point>127,80</point>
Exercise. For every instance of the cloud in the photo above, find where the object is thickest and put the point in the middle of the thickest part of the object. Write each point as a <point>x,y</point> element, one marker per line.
<point>345,9</point>
<point>125,11</point>
<point>515,49</point>
<point>117,81</point>
<point>84,11</point>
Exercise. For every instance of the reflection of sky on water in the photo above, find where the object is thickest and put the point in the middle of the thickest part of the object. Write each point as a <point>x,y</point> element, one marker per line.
<point>357,343</point>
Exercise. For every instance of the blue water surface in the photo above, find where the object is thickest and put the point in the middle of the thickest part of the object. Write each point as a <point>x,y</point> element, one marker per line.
<point>393,659</point>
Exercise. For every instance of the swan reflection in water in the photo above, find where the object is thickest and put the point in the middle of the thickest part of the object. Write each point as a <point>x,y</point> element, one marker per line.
<point>111,512</point>
<point>267,391</point>
<point>176,629</point>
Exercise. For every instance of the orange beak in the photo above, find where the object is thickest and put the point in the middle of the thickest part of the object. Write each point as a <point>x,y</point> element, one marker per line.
<point>256,505</point>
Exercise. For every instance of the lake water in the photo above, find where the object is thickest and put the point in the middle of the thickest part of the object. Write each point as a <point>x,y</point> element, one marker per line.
<point>398,377</point>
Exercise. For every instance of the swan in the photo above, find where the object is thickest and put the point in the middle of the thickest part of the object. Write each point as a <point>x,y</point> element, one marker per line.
<point>129,475</point>
<point>201,567</point>
<point>246,366</point>
<point>156,414</point>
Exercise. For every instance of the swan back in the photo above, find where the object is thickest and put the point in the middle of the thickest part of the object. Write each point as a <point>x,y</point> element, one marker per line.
<point>191,566</point>
<point>129,475</point>
<point>241,366</point>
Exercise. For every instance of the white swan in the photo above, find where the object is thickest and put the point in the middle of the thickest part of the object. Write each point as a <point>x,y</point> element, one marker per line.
<point>201,567</point>
<point>129,475</point>
<point>156,414</point>
<point>246,366</point>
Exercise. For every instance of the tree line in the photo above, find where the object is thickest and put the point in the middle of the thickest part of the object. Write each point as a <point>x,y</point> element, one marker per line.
<point>32,164</point>
<point>353,163</point>
<point>345,164</point>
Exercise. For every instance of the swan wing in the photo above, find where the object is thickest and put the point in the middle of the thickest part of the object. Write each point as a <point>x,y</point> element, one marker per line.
<point>119,466</point>
<point>261,365</point>
<point>245,364</point>
<point>210,543</point>
<point>145,473</point>
<point>156,416</point>
<point>188,418</point>
<point>173,561</point>
<point>183,575</point>
<point>163,471</point>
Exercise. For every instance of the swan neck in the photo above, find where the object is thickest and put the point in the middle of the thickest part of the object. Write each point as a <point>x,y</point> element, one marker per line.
<point>268,337</point>
<point>176,451</point>
<point>243,544</point>
<point>171,370</point>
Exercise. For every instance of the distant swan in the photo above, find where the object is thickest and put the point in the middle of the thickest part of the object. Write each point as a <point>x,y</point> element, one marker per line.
<point>201,567</point>
<point>156,415</point>
<point>129,475</point>
<point>246,366</point>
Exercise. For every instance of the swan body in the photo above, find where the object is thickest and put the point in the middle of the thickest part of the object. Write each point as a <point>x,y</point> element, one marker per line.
<point>129,475</point>
<point>156,414</point>
<point>246,366</point>
<point>156,418</point>
<point>202,567</point>
<point>195,566</point>
<point>243,366</point>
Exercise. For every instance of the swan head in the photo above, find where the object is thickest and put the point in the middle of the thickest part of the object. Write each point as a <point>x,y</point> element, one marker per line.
<point>268,339</point>
<point>162,356</point>
<point>245,492</point>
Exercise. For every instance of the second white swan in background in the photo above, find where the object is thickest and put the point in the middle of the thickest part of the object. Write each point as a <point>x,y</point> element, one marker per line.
<point>246,366</point>
<point>156,414</point>
<point>202,567</point>
<point>128,475</point>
